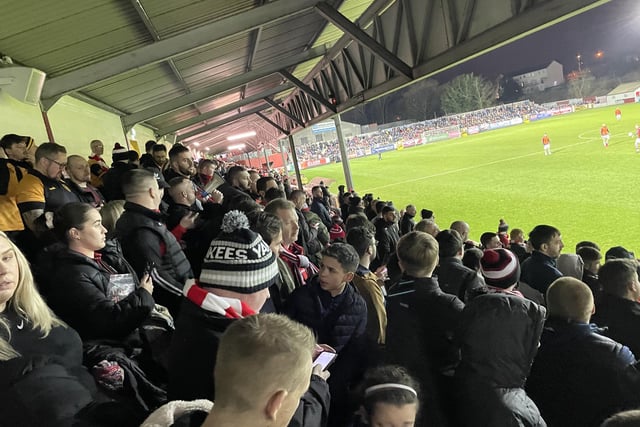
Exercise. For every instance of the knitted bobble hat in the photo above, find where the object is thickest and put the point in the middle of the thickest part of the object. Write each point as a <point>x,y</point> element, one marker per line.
<point>238,259</point>
<point>500,268</point>
<point>119,153</point>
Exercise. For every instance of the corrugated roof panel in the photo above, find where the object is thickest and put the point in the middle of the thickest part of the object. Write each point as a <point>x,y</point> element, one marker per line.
<point>176,16</point>
<point>140,90</point>
<point>229,54</point>
<point>352,9</point>
<point>68,35</point>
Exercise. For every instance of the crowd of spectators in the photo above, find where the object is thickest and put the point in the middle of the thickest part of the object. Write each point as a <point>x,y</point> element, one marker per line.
<point>210,295</point>
<point>362,145</point>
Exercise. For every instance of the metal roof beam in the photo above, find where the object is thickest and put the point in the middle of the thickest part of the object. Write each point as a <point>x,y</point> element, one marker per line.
<point>219,123</point>
<point>148,23</point>
<point>174,46</point>
<point>222,110</point>
<point>303,87</point>
<point>364,39</point>
<point>221,87</point>
<point>280,108</point>
<point>272,123</point>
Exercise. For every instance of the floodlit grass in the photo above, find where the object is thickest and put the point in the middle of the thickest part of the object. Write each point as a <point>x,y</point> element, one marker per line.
<point>587,191</point>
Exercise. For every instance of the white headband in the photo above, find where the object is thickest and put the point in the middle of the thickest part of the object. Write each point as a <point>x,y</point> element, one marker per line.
<point>377,387</point>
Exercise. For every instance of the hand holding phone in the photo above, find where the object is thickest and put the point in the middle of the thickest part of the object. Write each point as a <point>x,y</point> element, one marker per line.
<point>325,359</point>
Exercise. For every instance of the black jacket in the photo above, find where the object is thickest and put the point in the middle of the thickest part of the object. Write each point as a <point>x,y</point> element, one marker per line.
<point>498,337</point>
<point>336,321</point>
<point>47,384</point>
<point>145,239</point>
<point>406,224</point>
<point>421,320</point>
<point>192,362</point>
<point>621,317</point>
<point>318,207</point>
<point>79,291</point>
<point>580,377</point>
<point>339,322</point>
<point>387,237</point>
<point>112,180</point>
<point>456,279</point>
<point>539,271</point>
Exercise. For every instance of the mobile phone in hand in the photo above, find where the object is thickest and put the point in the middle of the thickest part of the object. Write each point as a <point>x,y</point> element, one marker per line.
<point>325,359</point>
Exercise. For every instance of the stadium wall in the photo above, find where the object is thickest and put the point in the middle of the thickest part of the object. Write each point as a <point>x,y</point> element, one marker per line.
<point>74,124</point>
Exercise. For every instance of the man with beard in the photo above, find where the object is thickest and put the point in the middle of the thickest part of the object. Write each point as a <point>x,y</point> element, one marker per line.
<point>238,177</point>
<point>180,163</point>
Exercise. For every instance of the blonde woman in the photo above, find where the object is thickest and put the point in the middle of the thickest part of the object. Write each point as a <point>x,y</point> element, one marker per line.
<point>42,380</point>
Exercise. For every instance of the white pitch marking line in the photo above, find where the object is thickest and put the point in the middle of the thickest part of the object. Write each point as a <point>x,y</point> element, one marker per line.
<point>422,178</point>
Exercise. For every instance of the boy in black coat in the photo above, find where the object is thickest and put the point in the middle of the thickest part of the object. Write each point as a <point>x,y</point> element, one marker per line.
<point>331,306</point>
<point>421,320</point>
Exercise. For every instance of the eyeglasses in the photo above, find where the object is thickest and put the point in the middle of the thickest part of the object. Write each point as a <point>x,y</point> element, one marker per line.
<point>61,165</point>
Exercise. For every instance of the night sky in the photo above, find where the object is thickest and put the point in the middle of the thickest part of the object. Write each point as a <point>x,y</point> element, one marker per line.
<point>613,28</point>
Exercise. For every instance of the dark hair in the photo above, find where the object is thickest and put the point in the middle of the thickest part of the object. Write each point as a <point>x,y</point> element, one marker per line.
<point>449,242</point>
<point>205,162</point>
<point>360,238</point>
<point>485,238</point>
<point>261,183</point>
<point>616,274</point>
<point>233,171</point>
<point>388,374</point>
<point>265,224</point>
<point>345,254</point>
<point>379,205</point>
<point>158,147</point>
<point>133,180</point>
<point>11,139</point>
<point>387,209</point>
<point>471,258</point>
<point>149,145</point>
<point>542,234</point>
<point>176,150</point>
<point>274,193</point>
<point>618,252</point>
<point>315,187</point>
<point>49,149</point>
<point>586,243</point>
<point>71,215</point>
<point>589,254</point>
<point>358,220</point>
<point>133,156</point>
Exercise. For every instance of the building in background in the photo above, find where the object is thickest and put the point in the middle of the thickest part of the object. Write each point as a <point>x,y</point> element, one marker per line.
<point>540,78</point>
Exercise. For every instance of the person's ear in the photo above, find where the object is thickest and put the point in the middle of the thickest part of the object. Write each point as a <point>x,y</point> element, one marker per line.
<point>74,233</point>
<point>348,277</point>
<point>274,404</point>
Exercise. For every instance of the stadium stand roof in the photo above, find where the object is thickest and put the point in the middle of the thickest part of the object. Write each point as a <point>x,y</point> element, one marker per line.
<point>624,88</point>
<point>203,69</point>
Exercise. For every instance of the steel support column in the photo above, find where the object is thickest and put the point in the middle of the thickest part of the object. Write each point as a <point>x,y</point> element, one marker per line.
<point>296,166</point>
<point>344,155</point>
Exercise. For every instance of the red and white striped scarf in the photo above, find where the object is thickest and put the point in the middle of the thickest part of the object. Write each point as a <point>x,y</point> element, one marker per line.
<point>230,308</point>
<point>290,255</point>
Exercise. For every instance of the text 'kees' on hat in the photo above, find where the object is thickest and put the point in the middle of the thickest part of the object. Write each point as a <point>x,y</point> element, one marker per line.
<point>119,153</point>
<point>238,259</point>
<point>500,268</point>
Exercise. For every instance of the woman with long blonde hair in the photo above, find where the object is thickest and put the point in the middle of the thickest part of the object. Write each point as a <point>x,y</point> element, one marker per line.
<point>42,380</point>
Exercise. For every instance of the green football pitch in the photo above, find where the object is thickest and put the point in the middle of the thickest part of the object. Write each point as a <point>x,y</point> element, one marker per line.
<point>587,191</point>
